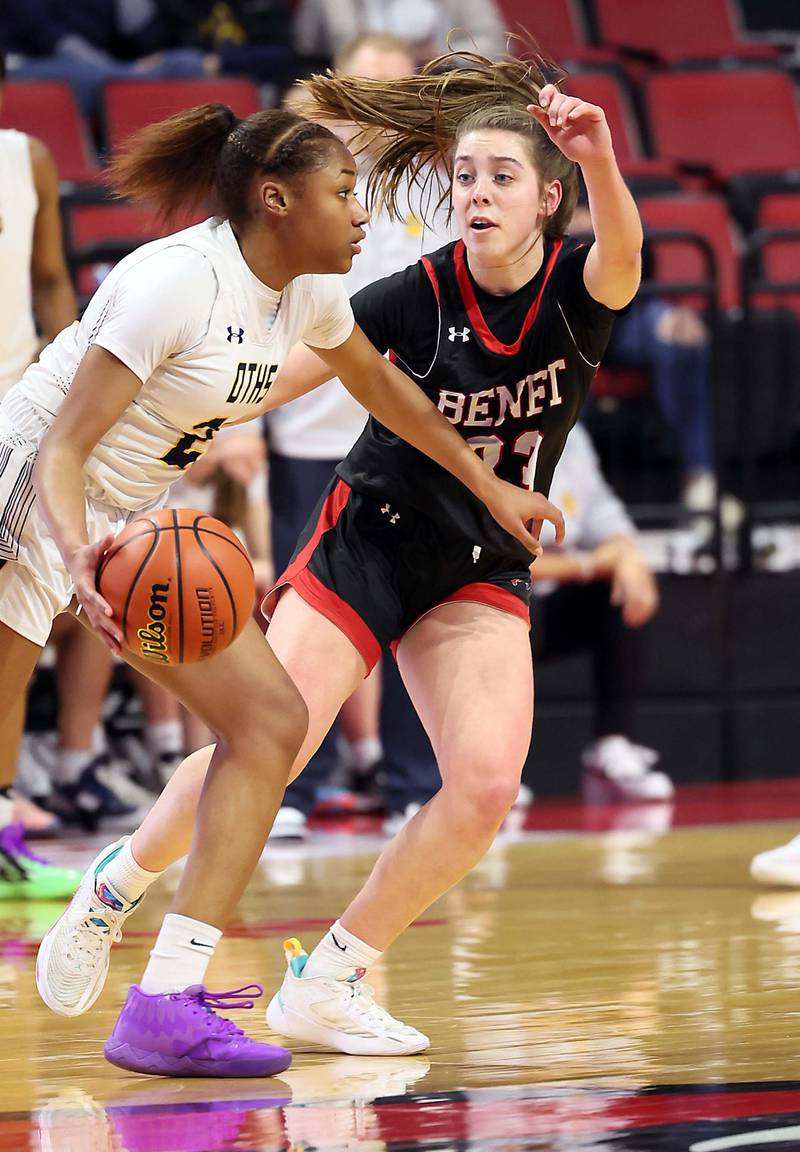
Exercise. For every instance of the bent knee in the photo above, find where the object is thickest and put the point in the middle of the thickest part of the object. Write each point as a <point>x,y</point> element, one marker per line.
<point>278,722</point>
<point>484,799</point>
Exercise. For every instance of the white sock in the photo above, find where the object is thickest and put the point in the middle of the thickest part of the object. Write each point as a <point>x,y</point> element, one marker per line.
<point>165,738</point>
<point>366,752</point>
<point>6,807</point>
<point>127,877</point>
<point>181,955</point>
<point>70,763</point>
<point>339,953</point>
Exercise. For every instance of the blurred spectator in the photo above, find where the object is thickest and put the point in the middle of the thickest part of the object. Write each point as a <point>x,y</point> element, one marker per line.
<point>88,43</point>
<point>307,439</point>
<point>37,294</point>
<point>596,593</point>
<point>239,37</point>
<point>324,27</point>
<point>672,343</point>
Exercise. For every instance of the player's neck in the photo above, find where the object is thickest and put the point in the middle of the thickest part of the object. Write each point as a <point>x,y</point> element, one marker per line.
<point>505,276</point>
<point>267,261</point>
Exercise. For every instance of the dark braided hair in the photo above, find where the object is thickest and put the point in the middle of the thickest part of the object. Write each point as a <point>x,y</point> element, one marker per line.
<point>179,163</point>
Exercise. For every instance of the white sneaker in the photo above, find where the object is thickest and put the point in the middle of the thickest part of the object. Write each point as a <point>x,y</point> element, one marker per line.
<point>392,824</point>
<point>340,1014</point>
<point>524,796</point>
<point>72,962</point>
<point>616,772</point>
<point>778,865</point>
<point>290,824</point>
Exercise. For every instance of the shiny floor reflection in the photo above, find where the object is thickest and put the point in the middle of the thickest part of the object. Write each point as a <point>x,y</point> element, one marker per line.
<point>627,990</point>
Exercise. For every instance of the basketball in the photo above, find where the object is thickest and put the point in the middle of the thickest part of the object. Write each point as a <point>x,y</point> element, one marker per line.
<point>180,584</point>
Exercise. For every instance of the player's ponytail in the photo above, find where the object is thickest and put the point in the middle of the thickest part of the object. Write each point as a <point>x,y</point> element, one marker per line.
<point>409,126</point>
<point>206,153</point>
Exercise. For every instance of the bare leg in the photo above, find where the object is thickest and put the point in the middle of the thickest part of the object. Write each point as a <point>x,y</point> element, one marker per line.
<point>304,642</point>
<point>468,671</point>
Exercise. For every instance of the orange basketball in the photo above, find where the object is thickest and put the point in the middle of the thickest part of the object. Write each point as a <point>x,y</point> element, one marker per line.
<point>180,584</point>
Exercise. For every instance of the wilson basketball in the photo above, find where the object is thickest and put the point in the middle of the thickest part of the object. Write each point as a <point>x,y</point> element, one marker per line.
<point>180,584</point>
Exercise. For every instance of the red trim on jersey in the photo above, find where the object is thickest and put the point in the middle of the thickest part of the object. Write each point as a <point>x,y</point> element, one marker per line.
<point>474,313</point>
<point>429,268</point>
<point>479,593</point>
<point>339,612</point>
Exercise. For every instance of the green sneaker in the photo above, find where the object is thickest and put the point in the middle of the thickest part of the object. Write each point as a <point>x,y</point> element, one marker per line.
<point>25,876</point>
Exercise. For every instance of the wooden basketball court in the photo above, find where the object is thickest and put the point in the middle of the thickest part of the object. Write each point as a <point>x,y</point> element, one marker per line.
<point>623,987</point>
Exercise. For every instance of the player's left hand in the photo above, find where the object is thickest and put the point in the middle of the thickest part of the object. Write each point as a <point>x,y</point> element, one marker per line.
<point>522,513</point>
<point>634,590</point>
<point>577,129</point>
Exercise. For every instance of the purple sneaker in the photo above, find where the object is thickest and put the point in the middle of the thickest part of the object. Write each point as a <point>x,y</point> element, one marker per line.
<point>180,1034</point>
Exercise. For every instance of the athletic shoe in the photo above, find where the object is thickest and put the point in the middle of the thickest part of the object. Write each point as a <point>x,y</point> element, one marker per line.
<point>397,820</point>
<point>616,772</point>
<point>180,1034</point>
<point>524,797</point>
<point>340,1014</point>
<point>72,962</point>
<point>26,876</point>
<point>290,824</point>
<point>778,865</point>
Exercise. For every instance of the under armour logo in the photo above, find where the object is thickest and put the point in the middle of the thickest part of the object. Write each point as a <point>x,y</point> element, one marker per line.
<point>463,335</point>
<point>237,335</point>
<point>476,553</point>
<point>393,516</point>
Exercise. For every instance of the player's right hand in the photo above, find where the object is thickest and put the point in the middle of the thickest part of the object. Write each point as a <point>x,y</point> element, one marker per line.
<point>522,513</point>
<point>82,566</point>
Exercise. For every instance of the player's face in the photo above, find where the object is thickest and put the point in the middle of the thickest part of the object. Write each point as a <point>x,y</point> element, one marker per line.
<point>329,221</point>
<point>498,196</point>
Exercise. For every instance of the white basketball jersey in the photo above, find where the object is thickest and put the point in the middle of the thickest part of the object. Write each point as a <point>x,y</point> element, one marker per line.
<point>205,337</point>
<point>18,207</point>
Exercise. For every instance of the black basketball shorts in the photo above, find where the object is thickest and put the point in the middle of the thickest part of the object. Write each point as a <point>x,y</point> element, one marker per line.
<point>374,568</point>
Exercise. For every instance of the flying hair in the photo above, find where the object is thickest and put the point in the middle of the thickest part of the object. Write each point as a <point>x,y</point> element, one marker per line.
<point>409,126</point>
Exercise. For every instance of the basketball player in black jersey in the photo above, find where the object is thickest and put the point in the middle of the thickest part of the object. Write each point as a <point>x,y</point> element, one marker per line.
<point>503,330</point>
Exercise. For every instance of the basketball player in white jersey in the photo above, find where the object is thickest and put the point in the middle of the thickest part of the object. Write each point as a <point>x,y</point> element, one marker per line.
<point>185,335</point>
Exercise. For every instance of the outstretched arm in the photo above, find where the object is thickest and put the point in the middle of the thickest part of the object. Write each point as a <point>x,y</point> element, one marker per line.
<point>398,403</point>
<point>613,267</point>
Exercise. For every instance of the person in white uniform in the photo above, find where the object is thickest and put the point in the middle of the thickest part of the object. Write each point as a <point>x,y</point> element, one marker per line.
<point>596,594</point>
<point>38,301</point>
<point>185,335</point>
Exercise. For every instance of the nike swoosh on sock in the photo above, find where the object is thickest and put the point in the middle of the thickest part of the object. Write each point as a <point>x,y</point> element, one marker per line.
<point>200,943</point>
<point>341,947</point>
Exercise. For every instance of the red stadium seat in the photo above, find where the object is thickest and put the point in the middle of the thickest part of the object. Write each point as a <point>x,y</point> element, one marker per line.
<point>604,89</point>
<point>780,256</point>
<point>47,109</point>
<point>678,30</point>
<point>131,104</point>
<point>98,235</point>
<point>677,262</point>
<point>558,28</point>
<point>727,123</point>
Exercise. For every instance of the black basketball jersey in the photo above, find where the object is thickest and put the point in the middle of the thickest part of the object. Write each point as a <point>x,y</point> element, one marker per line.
<point>510,372</point>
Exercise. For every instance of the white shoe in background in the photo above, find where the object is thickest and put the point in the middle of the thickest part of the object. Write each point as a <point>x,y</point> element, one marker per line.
<point>392,824</point>
<point>778,865</point>
<point>616,772</point>
<point>290,824</point>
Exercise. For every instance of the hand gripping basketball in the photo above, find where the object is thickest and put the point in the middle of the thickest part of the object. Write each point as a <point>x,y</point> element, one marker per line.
<point>180,584</point>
